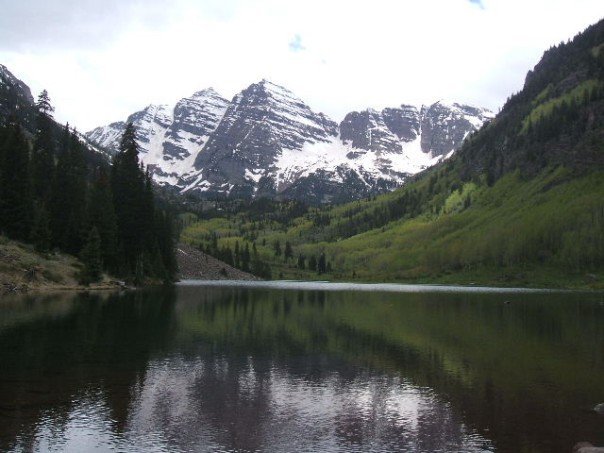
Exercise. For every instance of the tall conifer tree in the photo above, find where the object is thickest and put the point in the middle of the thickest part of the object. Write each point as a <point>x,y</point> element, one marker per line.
<point>102,216</point>
<point>91,256</point>
<point>16,209</point>
<point>43,152</point>
<point>78,187</point>
<point>128,185</point>
<point>60,194</point>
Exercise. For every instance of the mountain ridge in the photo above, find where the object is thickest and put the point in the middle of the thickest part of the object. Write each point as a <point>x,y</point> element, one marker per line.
<point>267,133</point>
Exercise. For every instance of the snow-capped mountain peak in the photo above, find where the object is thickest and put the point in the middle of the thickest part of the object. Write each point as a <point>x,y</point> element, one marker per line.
<point>267,141</point>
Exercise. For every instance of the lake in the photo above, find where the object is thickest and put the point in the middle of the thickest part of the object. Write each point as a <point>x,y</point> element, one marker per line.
<point>302,367</point>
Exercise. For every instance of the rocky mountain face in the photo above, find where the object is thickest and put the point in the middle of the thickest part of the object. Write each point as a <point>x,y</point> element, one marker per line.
<point>15,97</point>
<point>260,122</point>
<point>266,141</point>
<point>18,104</point>
<point>170,137</point>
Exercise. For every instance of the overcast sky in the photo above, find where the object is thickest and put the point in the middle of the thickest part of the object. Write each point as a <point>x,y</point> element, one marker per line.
<point>102,60</point>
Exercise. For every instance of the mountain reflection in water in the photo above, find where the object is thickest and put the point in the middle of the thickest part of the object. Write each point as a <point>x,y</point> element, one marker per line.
<point>222,368</point>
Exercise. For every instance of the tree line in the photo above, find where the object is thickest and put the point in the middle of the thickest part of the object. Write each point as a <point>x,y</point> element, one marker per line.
<point>241,257</point>
<point>104,213</point>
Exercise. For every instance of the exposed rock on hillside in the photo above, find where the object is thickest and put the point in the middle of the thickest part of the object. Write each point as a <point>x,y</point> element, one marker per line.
<point>194,264</point>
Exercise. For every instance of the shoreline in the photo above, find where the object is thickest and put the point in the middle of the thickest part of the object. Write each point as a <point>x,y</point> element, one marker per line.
<point>374,286</point>
<point>292,284</point>
<point>29,289</point>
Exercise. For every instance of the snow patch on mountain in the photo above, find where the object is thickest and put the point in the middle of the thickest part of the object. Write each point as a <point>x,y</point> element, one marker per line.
<point>205,143</point>
<point>335,155</point>
<point>170,136</point>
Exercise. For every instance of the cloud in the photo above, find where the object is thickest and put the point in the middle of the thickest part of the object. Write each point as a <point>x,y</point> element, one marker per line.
<point>477,2</point>
<point>102,60</point>
<point>295,45</point>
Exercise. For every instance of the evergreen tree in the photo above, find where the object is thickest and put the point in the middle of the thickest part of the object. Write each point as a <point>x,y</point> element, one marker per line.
<point>60,193</point>
<point>128,185</point>
<point>68,195</point>
<point>258,267</point>
<point>321,265</point>
<point>245,258</point>
<point>3,137</point>
<point>312,263</point>
<point>102,216</point>
<point>145,235</point>
<point>301,262</point>
<point>43,152</point>
<point>78,190</point>
<point>165,241</point>
<point>237,255</point>
<point>43,105</point>
<point>277,247</point>
<point>41,235</point>
<point>91,257</point>
<point>16,207</point>
<point>226,255</point>
<point>288,253</point>
<point>147,220</point>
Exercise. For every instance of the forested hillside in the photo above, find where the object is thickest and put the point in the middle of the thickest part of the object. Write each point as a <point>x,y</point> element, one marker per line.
<point>52,194</point>
<point>522,202</point>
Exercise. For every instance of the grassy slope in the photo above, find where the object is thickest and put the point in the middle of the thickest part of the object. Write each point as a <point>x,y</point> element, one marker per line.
<point>536,232</point>
<point>504,237</point>
<point>50,271</point>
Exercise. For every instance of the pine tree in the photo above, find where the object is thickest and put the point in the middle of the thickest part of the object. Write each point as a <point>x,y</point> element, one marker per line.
<point>147,221</point>
<point>258,267</point>
<point>145,239</point>
<point>277,247</point>
<point>301,262</point>
<point>44,106</point>
<point>227,255</point>
<point>165,240</point>
<point>321,266</point>
<point>16,207</point>
<point>245,258</point>
<point>3,137</point>
<point>91,257</point>
<point>312,263</point>
<point>288,253</point>
<point>128,186</point>
<point>60,193</point>
<point>78,189</point>
<point>43,152</point>
<point>41,236</point>
<point>237,255</point>
<point>68,195</point>
<point>102,216</point>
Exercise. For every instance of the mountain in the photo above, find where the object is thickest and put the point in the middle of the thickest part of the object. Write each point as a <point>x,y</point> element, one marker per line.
<point>18,104</point>
<point>170,137</point>
<point>521,202</point>
<point>266,141</point>
<point>377,151</point>
<point>15,97</point>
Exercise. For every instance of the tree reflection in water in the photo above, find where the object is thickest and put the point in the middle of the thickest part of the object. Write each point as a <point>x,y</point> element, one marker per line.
<point>237,369</point>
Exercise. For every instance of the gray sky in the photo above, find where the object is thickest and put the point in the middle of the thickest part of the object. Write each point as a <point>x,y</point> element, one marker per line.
<point>102,60</point>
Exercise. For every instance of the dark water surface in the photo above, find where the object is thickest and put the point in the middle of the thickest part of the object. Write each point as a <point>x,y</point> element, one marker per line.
<point>301,368</point>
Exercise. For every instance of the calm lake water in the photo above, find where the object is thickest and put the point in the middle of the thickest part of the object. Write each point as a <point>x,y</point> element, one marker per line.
<point>302,368</point>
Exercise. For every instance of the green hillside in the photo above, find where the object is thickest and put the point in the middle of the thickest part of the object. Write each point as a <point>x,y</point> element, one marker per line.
<point>521,203</point>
